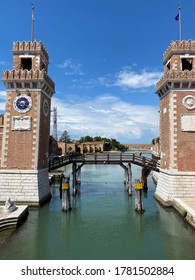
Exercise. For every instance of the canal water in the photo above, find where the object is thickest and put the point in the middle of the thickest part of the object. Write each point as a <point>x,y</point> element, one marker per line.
<point>103,224</point>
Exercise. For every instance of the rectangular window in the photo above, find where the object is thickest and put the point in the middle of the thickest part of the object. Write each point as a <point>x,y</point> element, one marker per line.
<point>26,63</point>
<point>186,64</point>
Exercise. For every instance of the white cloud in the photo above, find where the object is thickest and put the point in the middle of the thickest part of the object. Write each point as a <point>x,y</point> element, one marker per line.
<point>71,67</point>
<point>126,79</point>
<point>2,94</point>
<point>130,79</point>
<point>108,116</point>
<point>2,100</point>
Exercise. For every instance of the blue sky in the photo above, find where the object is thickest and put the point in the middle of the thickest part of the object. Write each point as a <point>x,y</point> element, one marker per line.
<point>105,59</point>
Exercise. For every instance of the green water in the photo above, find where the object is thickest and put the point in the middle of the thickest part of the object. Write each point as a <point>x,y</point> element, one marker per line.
<point>102,225</point>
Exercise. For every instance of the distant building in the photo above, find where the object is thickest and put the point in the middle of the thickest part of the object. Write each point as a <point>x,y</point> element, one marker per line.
<point>93,146</point>
<point>138,146</point>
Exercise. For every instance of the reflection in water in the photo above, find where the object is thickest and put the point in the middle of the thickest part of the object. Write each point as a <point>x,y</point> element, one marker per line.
<point>103,224</point>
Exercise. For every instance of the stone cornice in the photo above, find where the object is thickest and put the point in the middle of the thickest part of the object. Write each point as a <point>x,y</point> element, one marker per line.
<point>27,76</point>
<point>174,79</point>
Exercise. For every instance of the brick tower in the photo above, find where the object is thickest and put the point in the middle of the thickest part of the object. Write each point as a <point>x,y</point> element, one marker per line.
<point>24,174</point>
<point>176,91</point>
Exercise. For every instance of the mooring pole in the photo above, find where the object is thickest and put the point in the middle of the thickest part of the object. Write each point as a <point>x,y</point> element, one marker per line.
<point>78,176</point>
<point>125,176</point>
<point>74,181</point>
<point>66,203</point>
<point>129,175</point>
<point>139,205</point>
<point>145,173</point>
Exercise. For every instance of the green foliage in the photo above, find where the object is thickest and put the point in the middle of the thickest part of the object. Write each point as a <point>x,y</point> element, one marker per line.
<point>97,138</point>
<point>85,150</point>
<point>65,137</point>
<point>86,139</point>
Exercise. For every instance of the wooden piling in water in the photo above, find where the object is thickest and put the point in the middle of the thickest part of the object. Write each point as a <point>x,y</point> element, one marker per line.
<point>145,173</point>
<point>129,175</point>
<point>125,176</point>
<point>65,189</point>
<point>78,176</point>
<point>139,205</point>
<point>74,181</point>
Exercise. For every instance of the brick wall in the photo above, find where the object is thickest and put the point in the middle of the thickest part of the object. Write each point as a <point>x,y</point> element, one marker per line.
<point>138,146</point>
<point>177,146</point>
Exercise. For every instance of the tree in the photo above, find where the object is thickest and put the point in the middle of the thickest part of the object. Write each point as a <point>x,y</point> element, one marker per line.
<point>65,137</point>
<point>85,150</point>
<point>86,139</point>
<point>114,144</point>
<point>97,138</point>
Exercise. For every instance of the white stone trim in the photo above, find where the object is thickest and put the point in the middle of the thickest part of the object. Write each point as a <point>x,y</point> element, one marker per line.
<point>173,131</point>
<point>26,56</point>
<point>37,132</point>
<point>186,104</point>
<point>187,56</point>
<point>21,123</point>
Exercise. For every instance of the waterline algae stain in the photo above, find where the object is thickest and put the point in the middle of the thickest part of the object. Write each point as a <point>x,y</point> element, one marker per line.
<point>103,224</point>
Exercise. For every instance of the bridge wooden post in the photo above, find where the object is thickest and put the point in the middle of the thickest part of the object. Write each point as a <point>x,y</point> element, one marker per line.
<point>129,174</point>
<point>78,179</point>
<point>145,173</point>
<point>74,175</point>
<point>78,176</point>
<point>144,178</point>
<point>125,176</point>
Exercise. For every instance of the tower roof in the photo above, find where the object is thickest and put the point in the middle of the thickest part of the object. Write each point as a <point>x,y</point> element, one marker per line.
<point>30,48</point>
<point>179,47</point>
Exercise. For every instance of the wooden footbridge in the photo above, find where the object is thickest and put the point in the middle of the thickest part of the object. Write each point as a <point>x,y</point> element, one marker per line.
<point>123,159</point>
<point>105,158</point>
<point>119,158</point>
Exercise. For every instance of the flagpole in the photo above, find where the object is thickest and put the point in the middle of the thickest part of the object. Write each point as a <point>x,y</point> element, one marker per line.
<point>180,22</point>
<point>33,20</point>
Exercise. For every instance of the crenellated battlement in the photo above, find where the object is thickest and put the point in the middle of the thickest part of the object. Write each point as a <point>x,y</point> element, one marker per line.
<point>177,76</point>
<point>12,78</point>
<point>29,47</point>
<point>179,47</point>
<point>18,74</point>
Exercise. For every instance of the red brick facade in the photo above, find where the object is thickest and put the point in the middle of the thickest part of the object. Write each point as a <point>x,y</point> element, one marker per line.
<point>138,146</point>
<point>177,107</point>
<point>26,129</point>
<point>26,133</point>
<point>95,146</point>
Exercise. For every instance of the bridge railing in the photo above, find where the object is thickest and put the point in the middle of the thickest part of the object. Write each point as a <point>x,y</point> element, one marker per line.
<point>58,162</point>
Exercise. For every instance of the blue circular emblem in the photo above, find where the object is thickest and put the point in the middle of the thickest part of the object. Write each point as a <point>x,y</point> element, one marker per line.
<point>22,104</point>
